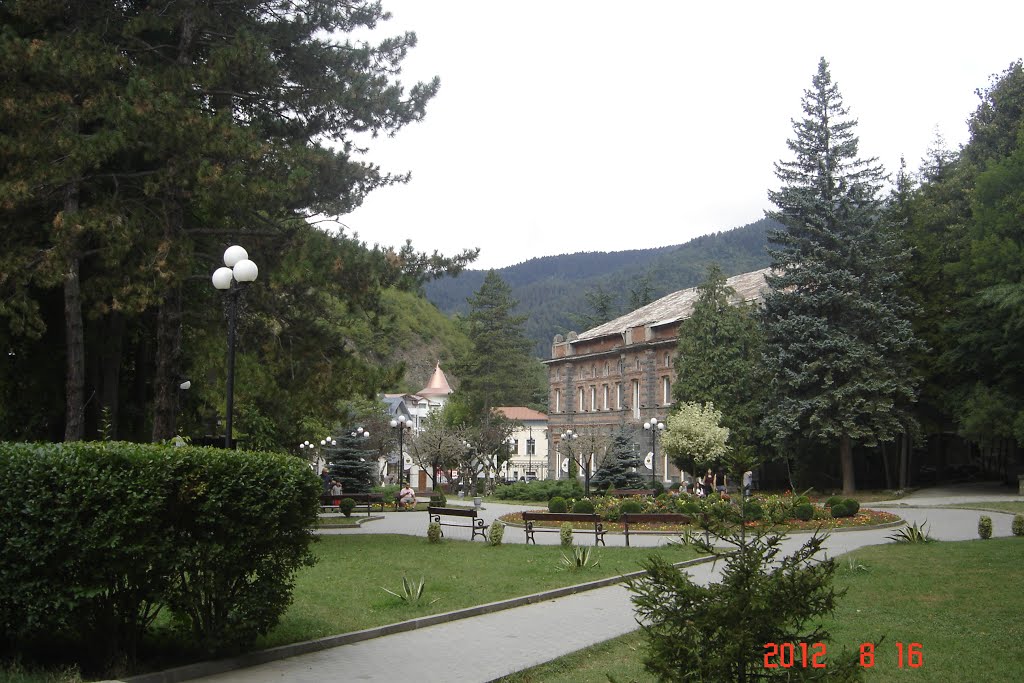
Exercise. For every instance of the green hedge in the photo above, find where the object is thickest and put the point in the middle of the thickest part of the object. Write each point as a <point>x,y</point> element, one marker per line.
<point>539,490</point>
<point>97,537</point>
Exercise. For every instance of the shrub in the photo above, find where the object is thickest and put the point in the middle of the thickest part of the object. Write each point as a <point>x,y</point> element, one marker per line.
<point>1018,525</point>
<point>776,509</point>
<point>434,532</point>
<point>753,512</point>
<point>565,534</point>
<point>214,536</point>
<point>583,506</point>
<point>557,504</point>
<point>631,506</point>
<point>841,509</point>
<point>438,499</point>
<point>804,512</point>
<point>659,489</point>
<point>694,632</point>
<point>912,534</point>
<point>496,533</point>
<point>347,505</point>
<point>833,500</point>
<point>985,526</point>
<point>853,506</point>
<point>582,558</point>
<point>801,500</point>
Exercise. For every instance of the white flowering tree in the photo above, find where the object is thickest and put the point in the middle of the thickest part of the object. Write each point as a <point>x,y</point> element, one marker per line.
<point>695,435</point>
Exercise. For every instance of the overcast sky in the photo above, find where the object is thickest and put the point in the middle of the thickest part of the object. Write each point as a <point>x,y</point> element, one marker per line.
<point>589,125</point>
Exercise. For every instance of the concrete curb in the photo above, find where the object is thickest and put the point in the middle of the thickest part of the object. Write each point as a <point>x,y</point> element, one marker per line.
<point>963,506</point>
<point>189,671</point>
<point>358,523</point>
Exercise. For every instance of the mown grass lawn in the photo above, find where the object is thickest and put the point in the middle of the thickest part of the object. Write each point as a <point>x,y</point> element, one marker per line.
<point>344,592</point>
<point>961,601</point>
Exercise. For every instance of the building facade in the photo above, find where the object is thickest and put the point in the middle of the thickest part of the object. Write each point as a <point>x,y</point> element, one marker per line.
<point>620,374</point>
<point>416,407</point>
<point>528,458</point>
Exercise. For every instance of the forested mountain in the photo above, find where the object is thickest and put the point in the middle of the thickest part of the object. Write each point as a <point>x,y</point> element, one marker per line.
<point>552,290</point>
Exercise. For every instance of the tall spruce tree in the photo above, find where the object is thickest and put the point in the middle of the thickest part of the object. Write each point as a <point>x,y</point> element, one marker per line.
<point>719,358</point>
<point>498,369</point>
<point>835,319</point>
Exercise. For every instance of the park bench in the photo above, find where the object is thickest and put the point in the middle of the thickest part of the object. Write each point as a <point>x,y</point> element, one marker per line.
<point>626,493</point>
<point>367,500</point>
<point>530,517</point>
<point>628,518</point>
<point>477,525</point>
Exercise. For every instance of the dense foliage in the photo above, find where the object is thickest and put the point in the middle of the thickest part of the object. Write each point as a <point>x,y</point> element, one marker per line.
<point>97,538</point>
<point>140,140</point>
<point>718,632</point>
<point>718,359</point>
<point>836,318</point>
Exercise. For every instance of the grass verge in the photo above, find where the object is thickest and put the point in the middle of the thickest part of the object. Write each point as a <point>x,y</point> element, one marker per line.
<point>344,592</point>
<point>958,600</point>
<point>1003,506</point>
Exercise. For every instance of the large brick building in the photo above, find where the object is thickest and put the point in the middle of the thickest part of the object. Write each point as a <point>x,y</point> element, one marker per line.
<point>621,373</point>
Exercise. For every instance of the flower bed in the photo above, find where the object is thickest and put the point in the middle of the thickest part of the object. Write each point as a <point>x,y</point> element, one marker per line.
<point>776,511</point>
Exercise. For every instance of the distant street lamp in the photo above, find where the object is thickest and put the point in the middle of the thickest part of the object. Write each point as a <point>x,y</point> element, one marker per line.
<point>401,425</point>
<point>237,271</point>
<point>653,426</point>
<point>569,436</point>
<point>531,446</point>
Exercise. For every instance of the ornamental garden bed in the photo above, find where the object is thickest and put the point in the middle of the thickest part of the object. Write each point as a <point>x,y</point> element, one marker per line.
<point>786,512</point>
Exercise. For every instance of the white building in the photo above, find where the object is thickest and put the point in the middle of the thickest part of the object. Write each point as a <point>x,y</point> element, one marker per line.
<point>529,444</point>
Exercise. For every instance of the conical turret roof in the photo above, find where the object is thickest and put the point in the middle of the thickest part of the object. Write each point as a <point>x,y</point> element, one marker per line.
<point>438,385</point>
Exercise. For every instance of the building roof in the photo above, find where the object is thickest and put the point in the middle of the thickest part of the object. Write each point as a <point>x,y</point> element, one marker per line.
<point>396,403</point>
<point>677,306</point>
<point>438,385</point>
<point>522,413</point>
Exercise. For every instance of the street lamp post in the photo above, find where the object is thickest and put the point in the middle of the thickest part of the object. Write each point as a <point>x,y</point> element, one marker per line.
<point>530,448</point>
<point>568,436</point>
<point>236,271</point>
<point>401,425</point>
<point>654,427</point>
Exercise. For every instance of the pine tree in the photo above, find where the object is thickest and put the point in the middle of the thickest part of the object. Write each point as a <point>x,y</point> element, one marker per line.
<point>836,326</point>
<point>619,467</point>
<point>352,462</point>
<point>719,358</point>
<point>498,368</point>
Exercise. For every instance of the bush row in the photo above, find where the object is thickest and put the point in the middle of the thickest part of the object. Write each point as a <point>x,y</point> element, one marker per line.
<point>539,490</point>
<point>772,508</point>
<point>97,538</point>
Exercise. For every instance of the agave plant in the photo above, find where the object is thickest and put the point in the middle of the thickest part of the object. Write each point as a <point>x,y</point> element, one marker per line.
<point>411,592</point>
<point>912,534</point>
<point>582,558</point>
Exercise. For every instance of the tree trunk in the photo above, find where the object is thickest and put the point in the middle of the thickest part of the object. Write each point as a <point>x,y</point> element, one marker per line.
<point>108,379</point>
<point>74,334</point>
<point>904,460</point>
<point>168,355</point>
<point>885,466</point>
<point>846,463</point>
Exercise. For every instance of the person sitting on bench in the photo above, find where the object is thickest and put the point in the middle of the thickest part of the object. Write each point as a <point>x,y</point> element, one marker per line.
<point>407,497</point>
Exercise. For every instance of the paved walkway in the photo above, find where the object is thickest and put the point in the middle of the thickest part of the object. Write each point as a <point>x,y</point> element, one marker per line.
<point>486,647</point>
